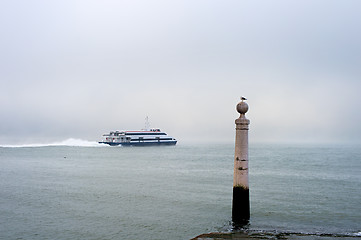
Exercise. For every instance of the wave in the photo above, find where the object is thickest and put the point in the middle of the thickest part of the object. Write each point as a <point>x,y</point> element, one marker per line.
<point>71,142</point>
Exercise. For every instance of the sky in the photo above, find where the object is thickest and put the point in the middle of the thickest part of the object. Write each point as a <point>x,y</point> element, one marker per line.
<point>81,68</point>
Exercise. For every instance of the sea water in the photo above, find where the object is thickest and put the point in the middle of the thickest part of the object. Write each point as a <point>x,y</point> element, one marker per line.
<point>85,191</point>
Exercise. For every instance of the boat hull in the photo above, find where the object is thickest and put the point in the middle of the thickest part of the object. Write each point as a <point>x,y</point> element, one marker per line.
<point>140,143</point>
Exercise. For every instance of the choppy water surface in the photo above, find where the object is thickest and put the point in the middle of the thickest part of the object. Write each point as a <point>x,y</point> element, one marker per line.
<point>177,192</point>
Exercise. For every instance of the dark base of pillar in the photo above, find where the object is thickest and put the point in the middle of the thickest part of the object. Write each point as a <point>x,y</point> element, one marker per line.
<point>240,208</point>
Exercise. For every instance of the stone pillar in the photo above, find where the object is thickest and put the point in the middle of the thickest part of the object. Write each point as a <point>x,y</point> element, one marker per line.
<point>240,205</point>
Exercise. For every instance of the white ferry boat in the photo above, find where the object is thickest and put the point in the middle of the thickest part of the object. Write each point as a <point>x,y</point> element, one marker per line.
<point>144,137</point>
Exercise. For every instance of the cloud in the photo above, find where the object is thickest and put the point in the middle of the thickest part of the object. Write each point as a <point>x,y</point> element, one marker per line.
<point>78,68</point>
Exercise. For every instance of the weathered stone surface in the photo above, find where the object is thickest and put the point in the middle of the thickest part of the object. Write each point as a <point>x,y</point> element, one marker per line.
<point>271,235</point>
<point>240,202</point>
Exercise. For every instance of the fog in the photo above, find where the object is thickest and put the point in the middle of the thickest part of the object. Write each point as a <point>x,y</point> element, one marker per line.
<point>78,69</point>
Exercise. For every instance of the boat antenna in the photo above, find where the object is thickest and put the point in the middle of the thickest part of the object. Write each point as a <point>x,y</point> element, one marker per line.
<point>147,124</point>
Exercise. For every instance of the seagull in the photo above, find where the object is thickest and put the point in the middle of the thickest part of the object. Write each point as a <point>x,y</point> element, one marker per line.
<point>243,98</point>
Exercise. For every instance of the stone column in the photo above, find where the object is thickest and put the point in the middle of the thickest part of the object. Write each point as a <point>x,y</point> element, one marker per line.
<point>240,205</point>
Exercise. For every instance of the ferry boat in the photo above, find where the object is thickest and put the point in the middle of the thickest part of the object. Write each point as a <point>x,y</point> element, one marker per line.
<point>145,137</point>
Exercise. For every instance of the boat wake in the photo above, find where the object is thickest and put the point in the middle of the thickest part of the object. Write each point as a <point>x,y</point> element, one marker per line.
<point>71,142</point>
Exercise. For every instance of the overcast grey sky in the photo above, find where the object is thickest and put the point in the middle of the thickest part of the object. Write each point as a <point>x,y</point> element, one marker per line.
<point>80,68</point>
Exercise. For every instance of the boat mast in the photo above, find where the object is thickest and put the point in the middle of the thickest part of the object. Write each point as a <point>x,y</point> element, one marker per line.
<point>147,124</point>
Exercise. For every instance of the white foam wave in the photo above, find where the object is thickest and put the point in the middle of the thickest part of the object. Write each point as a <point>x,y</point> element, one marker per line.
<point>71,142</point>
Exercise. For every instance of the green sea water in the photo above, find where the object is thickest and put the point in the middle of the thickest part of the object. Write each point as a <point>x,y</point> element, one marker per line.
<point>87,191</point>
